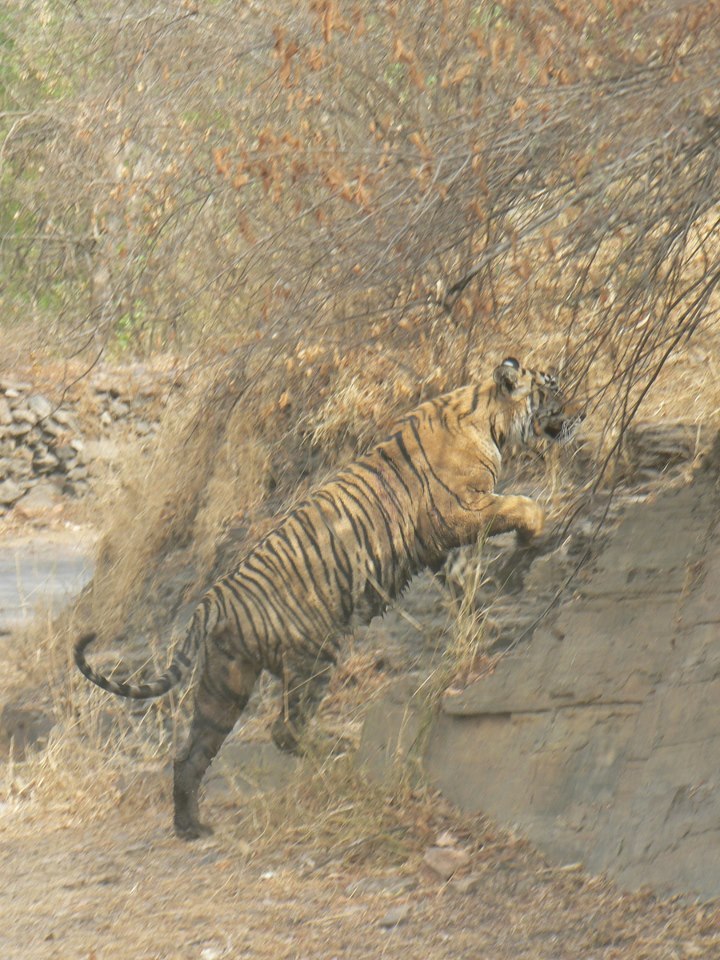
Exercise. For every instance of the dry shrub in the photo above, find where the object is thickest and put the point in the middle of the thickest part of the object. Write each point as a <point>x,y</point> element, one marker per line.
<point>82,771</point>
<point>159,499</point>
<point>331,807</point>
<point>353,175</point>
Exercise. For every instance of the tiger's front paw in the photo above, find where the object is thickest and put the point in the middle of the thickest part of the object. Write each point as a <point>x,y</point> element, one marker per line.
<point>530,522</point>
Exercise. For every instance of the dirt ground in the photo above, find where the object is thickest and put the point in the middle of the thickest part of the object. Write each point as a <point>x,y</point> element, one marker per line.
<point>123,886</point>
<point>317,871</point>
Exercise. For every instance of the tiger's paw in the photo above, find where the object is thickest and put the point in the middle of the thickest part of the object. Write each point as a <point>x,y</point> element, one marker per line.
<point>192,830</point>
<point>531,521</point>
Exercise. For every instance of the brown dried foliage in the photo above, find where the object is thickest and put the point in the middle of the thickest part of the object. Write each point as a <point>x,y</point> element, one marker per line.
<point>368,201</point>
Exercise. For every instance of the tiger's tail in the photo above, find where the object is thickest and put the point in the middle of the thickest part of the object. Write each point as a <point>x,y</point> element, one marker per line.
<point>157,686</point>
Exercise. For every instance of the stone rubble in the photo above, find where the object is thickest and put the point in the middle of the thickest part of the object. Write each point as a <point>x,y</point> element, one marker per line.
<point>132,398</point>
<point>43,452</point>
<point>41,448</point>
<point>445,861</point>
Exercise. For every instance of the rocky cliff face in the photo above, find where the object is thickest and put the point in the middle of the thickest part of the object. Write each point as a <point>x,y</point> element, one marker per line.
<point>600,738</point>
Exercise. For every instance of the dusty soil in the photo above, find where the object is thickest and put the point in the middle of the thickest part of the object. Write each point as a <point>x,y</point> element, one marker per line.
<point>122,886</point>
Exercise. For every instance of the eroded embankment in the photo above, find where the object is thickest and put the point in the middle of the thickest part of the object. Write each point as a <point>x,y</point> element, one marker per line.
<point>600,739</point>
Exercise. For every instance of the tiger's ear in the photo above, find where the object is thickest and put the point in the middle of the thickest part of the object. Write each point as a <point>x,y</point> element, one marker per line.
<point>507,375</point>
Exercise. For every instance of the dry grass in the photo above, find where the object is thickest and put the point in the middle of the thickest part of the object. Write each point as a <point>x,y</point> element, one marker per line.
<point>241,448</point>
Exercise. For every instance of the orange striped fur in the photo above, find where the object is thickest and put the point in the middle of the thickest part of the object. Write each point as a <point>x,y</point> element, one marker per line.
<point>339,557</point>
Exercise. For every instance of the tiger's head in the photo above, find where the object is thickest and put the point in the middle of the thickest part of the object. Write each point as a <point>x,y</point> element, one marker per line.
<point>537,406</point>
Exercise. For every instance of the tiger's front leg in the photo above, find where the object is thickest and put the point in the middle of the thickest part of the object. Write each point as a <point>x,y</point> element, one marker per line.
<point>507,513</point>
<point>527,518</point>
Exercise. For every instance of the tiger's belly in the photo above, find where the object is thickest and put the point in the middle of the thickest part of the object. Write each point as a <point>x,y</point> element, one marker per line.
<point>372,598</point>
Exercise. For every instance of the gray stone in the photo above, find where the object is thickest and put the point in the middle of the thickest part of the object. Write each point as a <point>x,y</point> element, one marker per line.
<point>44,461</point>
<point>392,736</point>
<point>5,414</point>
<point>40,406</point>
<point>19,428</point>
<point>10,491</point>
<point>39,500</point>
<point>25,415</point>
<point>15,467</point>
<point>396,915</point>
<point>52,429</point>
<point>445,861</point>
<point>65,452</point>
<point>466,884</point>
<point>66,418</point>
<point>80,472</point>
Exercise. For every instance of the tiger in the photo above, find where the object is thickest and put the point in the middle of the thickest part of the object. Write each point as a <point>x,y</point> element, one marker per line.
<point>341,556</point>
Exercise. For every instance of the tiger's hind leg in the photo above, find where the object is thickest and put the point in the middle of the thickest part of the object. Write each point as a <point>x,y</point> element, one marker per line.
<point>223,690</point>
<point>303,689</point>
